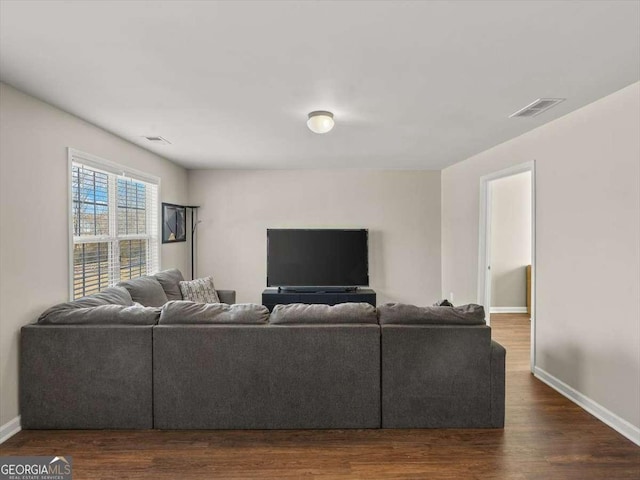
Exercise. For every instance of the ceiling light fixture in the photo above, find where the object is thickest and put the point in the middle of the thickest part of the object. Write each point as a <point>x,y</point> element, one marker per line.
<point>320,121</point>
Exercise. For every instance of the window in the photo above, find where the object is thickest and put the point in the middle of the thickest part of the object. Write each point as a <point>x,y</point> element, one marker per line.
<point>114,224</point>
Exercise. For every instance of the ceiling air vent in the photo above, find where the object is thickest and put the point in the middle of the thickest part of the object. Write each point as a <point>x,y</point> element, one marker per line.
<point>158,140</point>
<point>537,107</point>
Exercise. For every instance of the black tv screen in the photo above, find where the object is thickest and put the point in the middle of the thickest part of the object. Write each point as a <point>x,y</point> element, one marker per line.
<point>317,258</point>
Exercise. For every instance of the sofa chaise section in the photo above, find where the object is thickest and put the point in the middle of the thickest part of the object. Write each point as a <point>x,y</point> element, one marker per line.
<point>440,369</point>
<point>86,377</point>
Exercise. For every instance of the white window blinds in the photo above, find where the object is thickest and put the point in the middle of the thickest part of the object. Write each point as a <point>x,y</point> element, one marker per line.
<point>114,224</point>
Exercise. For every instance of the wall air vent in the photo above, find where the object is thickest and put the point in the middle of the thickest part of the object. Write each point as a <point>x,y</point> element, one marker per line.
<point>158,140</point>
<point>537,107</point>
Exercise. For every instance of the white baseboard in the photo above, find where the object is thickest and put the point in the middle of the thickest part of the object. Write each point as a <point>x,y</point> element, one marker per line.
<point>620,425</point>
<point>508,310</point>
<point>9,429</point>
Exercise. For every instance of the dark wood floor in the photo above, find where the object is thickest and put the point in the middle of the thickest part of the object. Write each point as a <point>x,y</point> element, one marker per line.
<point>546,437</point>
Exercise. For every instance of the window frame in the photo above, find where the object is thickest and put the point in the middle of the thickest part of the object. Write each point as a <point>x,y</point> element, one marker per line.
<point>111,168</point>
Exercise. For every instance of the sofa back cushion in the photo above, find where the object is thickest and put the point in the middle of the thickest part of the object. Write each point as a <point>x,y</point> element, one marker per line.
<point>300,313</point>
<point>108,296</point>
<point>145,290</point>
<point>401,313</point>
<point>186,312</point>
<point>170,282</point>
<point>100,315</point>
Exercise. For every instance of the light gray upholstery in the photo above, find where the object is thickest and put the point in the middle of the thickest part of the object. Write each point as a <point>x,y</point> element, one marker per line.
<point>145,290</point>
<point>441,376</point>
<point>401,313</point>
<point>170,282</point>
<point>185,312</point>
<point>101,315</point>
<point>227,296</point>
<point>498,354</point>
<point>86,377</point>
<point>300,313</point>
<point>266,377</point>
<point>109,296</point>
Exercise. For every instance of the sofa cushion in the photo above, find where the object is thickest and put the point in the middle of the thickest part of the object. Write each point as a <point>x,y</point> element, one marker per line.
<point>145,290</point>
<point>101,315</point>
<point>200,290</point>
<point>170,282</point>
<point>187,312</point>
<point>401,313</point>
<point>108,296</point>
<point>301,313</point>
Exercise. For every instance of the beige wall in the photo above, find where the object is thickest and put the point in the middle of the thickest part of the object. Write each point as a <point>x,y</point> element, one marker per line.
<point>401,209</point>
<point>510,239</point>
<point>34,271</point>
<point>587,244</point>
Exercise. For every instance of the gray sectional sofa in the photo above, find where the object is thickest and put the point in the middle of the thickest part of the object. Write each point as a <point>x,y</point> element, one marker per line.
<point>110,361</point>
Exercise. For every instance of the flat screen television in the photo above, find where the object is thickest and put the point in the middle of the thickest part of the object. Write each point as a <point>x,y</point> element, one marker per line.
<point>315,258</point>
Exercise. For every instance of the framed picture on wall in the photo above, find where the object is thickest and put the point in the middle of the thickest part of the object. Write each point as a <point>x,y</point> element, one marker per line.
<point>174,223</point>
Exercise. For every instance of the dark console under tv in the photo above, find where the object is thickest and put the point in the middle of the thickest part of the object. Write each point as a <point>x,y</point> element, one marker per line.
<point>274,296</point>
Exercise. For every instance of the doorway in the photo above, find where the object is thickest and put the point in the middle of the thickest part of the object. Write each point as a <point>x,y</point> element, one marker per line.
<point>507,272</point>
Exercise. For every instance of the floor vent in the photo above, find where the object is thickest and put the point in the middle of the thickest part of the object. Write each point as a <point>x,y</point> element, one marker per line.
<point>537,107</point>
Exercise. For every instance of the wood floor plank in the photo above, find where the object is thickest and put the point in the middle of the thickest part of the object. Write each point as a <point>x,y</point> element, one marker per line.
<point>545,437</point>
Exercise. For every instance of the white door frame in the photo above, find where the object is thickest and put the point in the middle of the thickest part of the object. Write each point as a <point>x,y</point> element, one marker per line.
<point>484,243</point>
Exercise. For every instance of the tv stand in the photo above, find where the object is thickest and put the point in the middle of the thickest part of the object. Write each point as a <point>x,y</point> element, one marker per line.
<point>317,289</point>
<point>279,296</point>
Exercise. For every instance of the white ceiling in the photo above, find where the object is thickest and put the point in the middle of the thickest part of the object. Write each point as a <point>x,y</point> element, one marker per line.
<point>412,84</point>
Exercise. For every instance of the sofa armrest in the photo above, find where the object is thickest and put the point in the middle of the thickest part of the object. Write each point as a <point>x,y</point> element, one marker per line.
<point>227,296</point>
<point>498,355</point>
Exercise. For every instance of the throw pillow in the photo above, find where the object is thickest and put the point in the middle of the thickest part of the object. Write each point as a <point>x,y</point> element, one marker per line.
<point>200,290</point>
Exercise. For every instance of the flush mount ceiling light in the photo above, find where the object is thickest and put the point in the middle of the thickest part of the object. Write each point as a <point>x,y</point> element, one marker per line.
<point>320,121</point>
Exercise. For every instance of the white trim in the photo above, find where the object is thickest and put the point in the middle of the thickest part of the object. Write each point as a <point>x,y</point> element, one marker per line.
<point>484,245</point>
<point>107,238</point>
<point>70,231</point>
<point>108,166</point>
<point>9,429</point>
<point>534,271</point>
<point>158,229</point>
<point>606,416</point>
<point>508,309</point>
<point>114,170</point>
